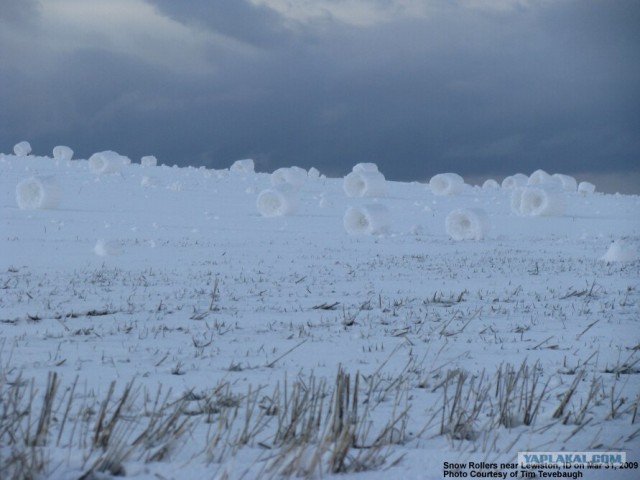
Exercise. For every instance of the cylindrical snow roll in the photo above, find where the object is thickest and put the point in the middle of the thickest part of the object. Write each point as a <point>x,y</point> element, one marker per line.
<point>567,182</point>
<point>539,177</point>
<point>107,248</point>
<point>365,167</point>
<point>313,173</point>
<point>149,161</point>
<point>22,149</point>
<point>277,202</point>
<point>586,188</point>
<point>467,224</point>
<point>292,176</point>
<point>490,184</point>
<point>62,152</point>
<point>516,200</point>
<point>246,165</point>
<point>446,184</point>
<point>37,193</point>
<point>515,181</point>
<point>107,162</point>
<point>365,184</point>
<point>370,219</point>
<point>538,202</point>
<point>621,251</point>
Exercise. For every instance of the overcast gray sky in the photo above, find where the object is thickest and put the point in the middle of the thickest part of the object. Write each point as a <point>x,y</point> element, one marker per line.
<point>478,87</point>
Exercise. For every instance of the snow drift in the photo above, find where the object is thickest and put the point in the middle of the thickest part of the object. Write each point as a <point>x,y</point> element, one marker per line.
<point>277,202</point>
<point>107,162</point>
<point>467,224</point>
<point>446,184</point>
<point>535,202</point>
<point>369,219</point>
<point>37,193</point>
<point>365,183</point>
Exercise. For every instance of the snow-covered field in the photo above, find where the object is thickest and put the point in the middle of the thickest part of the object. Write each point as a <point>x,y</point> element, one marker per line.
<point>160,322</point>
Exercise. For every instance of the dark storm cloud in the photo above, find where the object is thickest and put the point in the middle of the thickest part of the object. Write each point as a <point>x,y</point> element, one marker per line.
<point>235,18</point>
<point>478,91</point>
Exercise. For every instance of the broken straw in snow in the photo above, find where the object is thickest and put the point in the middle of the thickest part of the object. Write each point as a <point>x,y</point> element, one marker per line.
<point>277,202</point>
<point>149,161</point>
<point>446,184</point>
<point>62,152</point>
<point>368,219</point>
<point>243,166</point>
<point>22,149</point>
<point>107,162</point>
<point>365,183</point>
<point>37,193</point>
<point>467,224</point>
<point>293,176</point>
<point>535,202</point>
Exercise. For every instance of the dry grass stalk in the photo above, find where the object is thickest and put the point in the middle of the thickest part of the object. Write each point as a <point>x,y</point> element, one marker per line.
<point>568,394</point>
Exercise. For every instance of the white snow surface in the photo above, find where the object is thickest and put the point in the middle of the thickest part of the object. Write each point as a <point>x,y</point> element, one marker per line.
<point>190,292</point>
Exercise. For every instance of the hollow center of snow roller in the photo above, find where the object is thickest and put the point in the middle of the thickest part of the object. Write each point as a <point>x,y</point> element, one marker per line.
<point>272,202</point>
<point>33,193</point>
<point>464,223</point>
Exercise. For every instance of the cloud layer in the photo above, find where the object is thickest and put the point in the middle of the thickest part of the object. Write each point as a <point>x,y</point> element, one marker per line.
<point>419,87</point>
